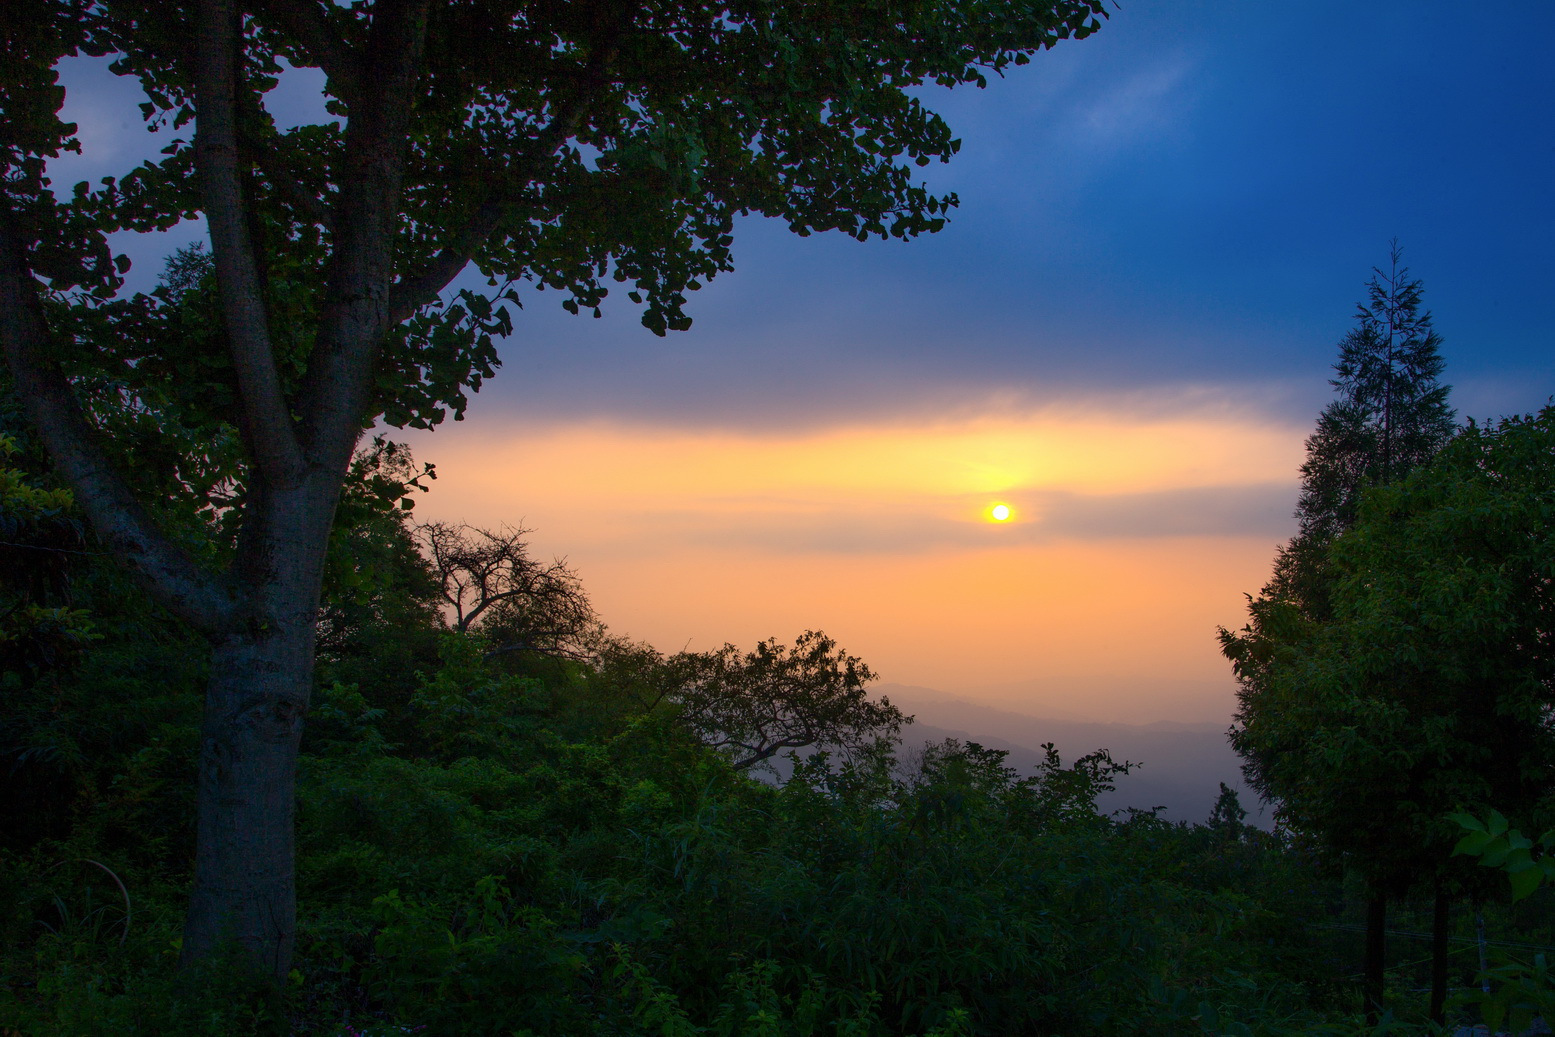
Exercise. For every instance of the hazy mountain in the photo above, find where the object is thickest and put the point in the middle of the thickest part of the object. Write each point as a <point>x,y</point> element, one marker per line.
<point>1182,764</point>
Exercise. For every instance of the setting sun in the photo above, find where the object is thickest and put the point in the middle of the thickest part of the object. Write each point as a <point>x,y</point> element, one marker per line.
<point>999,512</point>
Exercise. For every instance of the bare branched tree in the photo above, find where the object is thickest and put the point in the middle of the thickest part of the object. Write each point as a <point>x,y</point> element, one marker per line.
<point>490,583</point>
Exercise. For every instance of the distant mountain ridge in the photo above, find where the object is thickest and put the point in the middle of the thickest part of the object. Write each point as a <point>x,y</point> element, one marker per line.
<point>1182,764</point>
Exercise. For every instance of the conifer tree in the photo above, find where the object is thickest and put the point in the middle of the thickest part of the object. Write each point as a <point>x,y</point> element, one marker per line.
<point>1391,417</point>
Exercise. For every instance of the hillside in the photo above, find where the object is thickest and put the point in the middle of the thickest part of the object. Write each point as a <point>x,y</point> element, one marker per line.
<point>1183,764</point>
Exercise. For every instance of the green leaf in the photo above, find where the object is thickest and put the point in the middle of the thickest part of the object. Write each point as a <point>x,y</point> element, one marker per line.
<point>1468,821</point>
<point>1526,882</point>
<point>1473,844</point>
<point>1495,855</point>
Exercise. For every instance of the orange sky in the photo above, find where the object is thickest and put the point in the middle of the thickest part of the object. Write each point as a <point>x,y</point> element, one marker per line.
<point>1132,539</point>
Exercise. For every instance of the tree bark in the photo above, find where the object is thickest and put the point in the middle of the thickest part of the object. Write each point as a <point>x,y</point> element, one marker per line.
<point>245,874</point>
<point>1440,917</point>
<point>1376,945</point>
<point>244,896</point>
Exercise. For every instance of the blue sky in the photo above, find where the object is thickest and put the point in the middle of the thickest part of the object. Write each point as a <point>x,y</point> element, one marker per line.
<point>1190,200</point>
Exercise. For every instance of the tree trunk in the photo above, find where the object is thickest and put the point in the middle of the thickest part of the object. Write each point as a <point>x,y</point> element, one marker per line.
<point>245,889</point>
<point>1376,943</point>
<point>1440,917</point>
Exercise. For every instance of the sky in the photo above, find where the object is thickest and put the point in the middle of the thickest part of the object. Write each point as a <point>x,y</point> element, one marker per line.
<point>1124,334</point>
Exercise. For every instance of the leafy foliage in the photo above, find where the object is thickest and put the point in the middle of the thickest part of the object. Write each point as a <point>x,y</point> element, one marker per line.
<point>1429,687</point>
<point>501,854</point>
<point>490,846</point>
<point>755,705</point>
<point>1392,416</point>
<point>556,146</point>
<point>1496,844</point>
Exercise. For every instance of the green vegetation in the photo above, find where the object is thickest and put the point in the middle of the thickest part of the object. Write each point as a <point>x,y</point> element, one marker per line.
<point>1398,667</point>
<point>555,842</point>
<point>1328,753</point>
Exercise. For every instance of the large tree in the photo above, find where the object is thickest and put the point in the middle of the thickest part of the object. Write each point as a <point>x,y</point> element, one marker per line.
<point>1391,415</point>
<point>561,144</point>
<point>1430,687</point>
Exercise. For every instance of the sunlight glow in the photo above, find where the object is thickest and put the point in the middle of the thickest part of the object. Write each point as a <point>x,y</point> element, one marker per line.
<point>691,536</point>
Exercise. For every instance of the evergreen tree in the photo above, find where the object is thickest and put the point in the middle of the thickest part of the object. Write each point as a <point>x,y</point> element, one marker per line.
<point>1391,417</point>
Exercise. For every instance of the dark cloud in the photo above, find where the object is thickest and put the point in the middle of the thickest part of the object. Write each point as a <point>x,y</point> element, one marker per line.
<point>1204,511</point>
<point>907,527</point>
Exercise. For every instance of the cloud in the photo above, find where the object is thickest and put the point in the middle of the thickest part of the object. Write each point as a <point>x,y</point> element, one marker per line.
<point>1255,510</point>
<point>1079,472</point>
<point>1150,104</point>
<point>789,526</point>
<point>1140,522</point>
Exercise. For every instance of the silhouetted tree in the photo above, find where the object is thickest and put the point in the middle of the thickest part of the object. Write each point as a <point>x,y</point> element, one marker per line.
<point>489,580</point>
<point>754,705</point>
<point>1391,416</point>
<point>1228,818</point>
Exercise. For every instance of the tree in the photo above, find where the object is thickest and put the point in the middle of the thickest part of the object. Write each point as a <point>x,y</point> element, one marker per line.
<point>522,605</point>
<point>557,144</point>
<point>1228,818</point>
<point>1429,689</point>
<point>754,705</point>
<point>1391,416</point>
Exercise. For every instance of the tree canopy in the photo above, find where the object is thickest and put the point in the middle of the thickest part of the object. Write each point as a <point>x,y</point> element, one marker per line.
<point>1429,688</point>
<point>757,704</point>
<point>1391,415</point>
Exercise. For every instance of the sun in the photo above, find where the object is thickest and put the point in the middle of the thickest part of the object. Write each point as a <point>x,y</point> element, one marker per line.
<point>1000,513</point>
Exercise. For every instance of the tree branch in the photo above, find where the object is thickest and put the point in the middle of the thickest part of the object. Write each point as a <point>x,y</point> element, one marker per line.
<point>423,286</point>
<point>337,390</point>
<point>267,421</point>
<point>266,152</point>
<point>305,20</point>
<point>767,750</point>
<point>189,591</point>
<point>270,163</point>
